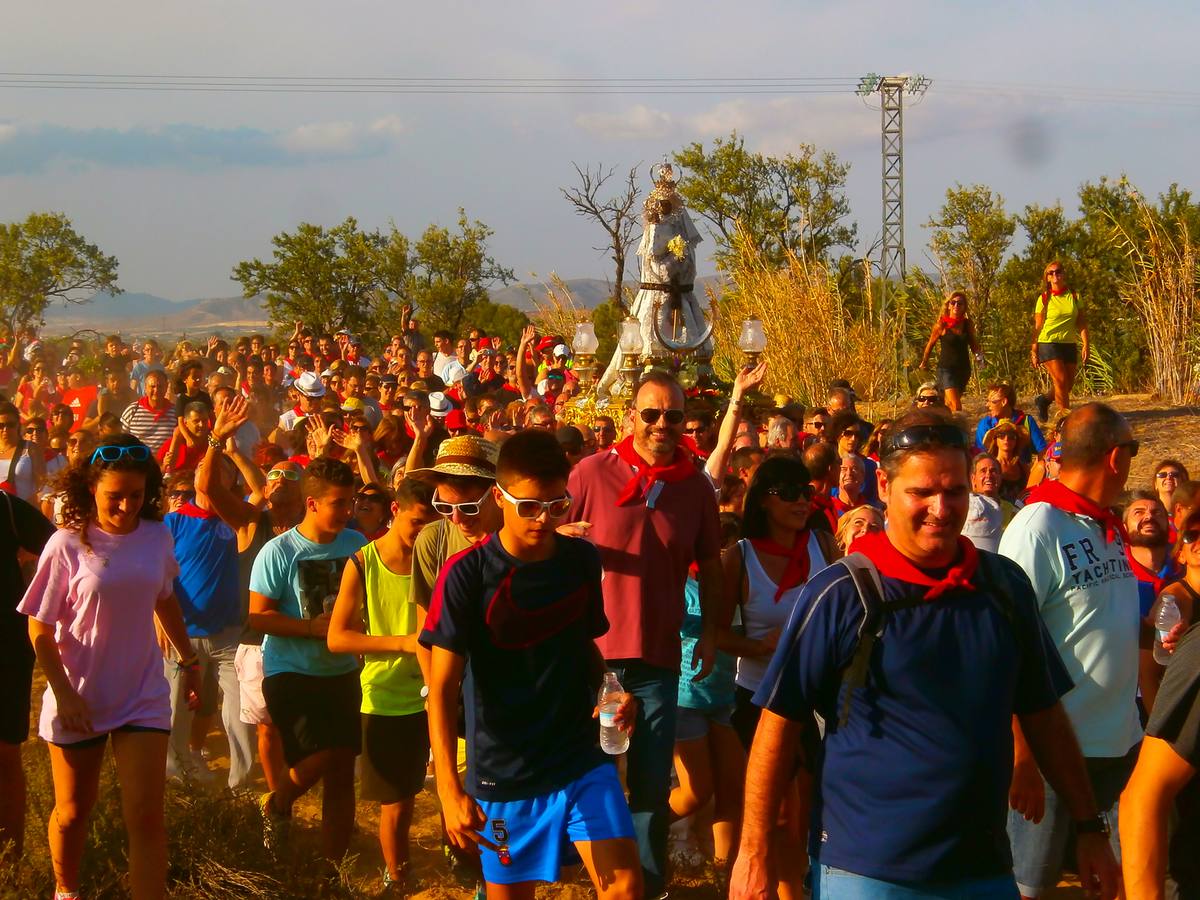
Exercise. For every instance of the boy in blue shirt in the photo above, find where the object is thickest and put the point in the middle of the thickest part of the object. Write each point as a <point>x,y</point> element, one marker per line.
<point>513,621</point>
<point>313,695</point>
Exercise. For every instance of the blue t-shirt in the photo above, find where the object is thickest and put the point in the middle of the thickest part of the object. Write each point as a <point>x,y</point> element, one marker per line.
<point>140,370</point>
<point>207,585</point>
<point>715,691</point>
<point>303,578</point>
<point>526,630</point>
<point>914,787</point>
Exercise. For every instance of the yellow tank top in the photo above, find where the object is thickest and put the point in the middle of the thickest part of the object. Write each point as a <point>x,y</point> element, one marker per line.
<point>1061,313</point>
<point>391,682</point>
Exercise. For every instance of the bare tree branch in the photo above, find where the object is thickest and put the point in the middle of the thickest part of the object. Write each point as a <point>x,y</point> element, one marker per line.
<point>617,214</point>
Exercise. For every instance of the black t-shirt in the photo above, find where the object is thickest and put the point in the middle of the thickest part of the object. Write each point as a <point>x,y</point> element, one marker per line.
<point>182,400</point>
<point>1176,720</point>
<point>526,630</point>
<point>21,527</point>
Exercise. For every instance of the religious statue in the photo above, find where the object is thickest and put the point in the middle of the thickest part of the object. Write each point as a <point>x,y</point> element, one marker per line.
<point>672,321</point>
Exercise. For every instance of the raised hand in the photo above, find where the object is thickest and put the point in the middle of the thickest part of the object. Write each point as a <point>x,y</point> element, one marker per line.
<point>748,379</point>
<point>231,417</point>
<point>528,333</point>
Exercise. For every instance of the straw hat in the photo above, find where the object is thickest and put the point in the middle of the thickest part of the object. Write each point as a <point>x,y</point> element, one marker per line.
<point>468,455</point>
<point>1006,427</point>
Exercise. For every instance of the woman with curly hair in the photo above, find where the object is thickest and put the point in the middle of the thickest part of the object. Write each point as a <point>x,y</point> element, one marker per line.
<point>101,582</point>
<point>956,332</point>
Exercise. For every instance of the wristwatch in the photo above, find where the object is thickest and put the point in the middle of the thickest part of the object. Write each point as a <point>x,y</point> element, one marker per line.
<point>1097,824</point>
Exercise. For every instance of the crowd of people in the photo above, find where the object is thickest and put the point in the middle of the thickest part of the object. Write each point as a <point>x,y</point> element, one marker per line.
<point>891,659</point>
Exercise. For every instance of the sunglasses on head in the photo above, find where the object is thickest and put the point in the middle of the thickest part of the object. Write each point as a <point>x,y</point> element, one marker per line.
<point>650,415</point>
<point>289,474</point>
<point>792,492</point>
<point>442,508</point>
<point>531,509</point>
<point>926,436</point>
<point>113,452</point>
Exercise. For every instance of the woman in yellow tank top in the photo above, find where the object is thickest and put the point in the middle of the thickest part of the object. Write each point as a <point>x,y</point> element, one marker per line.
<point>1059,328</point>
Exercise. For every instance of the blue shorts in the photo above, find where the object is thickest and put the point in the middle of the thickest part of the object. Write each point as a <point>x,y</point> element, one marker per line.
<point>536,837</point>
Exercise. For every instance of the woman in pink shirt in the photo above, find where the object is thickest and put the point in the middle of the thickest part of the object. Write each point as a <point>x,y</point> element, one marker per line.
<point>100,583</point>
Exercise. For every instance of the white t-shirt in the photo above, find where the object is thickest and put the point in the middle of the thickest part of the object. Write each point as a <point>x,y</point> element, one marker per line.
<point>1088,597</point>
<point>985,523</point>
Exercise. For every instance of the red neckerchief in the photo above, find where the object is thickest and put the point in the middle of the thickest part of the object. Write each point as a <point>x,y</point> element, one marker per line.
<point>952,321</point>
<point>878,547</point>
<point>1058,292</point>
<point>796,571</point>
<point>1062,497</point>
<point>645,475</point>
<point>824,504</point>
<point>157,413</point>
<point>1143,574</point>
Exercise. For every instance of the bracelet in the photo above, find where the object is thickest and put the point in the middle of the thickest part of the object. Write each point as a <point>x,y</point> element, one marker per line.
<point>213,442</point>
<point>192,662</point>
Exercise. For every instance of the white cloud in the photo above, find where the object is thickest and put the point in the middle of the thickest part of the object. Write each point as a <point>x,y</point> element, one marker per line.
<point>639,121</point>
<point>321,137</point>
<point>7,131</point>
<point>388,126</point>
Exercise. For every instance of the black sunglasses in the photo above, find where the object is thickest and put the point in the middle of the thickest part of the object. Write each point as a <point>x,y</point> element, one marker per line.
<point>927,399</point>
<point>791,492</point>
<point>650,415</point>
<point>926,436</point>
<point>1190,537</point>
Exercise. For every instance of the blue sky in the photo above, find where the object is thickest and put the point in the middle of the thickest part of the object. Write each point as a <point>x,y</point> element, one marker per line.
<point>181,186</point>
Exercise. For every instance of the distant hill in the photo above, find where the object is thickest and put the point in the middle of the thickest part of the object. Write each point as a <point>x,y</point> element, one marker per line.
<point>586,292</point>
<point>143,314</point>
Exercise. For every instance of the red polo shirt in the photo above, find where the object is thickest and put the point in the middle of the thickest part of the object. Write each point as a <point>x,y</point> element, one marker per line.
<point>645,553</point>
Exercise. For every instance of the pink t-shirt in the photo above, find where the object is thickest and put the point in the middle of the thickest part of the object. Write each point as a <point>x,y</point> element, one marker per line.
<point>646,554</point>
<point>101,603</point>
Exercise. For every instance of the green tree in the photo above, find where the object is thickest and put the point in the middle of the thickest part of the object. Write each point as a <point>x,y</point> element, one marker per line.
<point>326,277</point>
<point>793,203</point>
<point>451,273</point>
<point>970,236</point>
<point>499,319</point>
<point>606,319</point>
<point>344,277</point>
<point>44,259</point>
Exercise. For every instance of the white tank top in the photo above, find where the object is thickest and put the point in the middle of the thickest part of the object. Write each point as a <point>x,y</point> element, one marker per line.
<point>761,614</point>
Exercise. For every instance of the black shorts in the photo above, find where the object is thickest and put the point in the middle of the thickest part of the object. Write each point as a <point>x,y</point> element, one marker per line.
<point>1068,352</point>
<point>745,722</point>
<point>395,752</point>
<point>953,379</point>
<point>99,739</point>
<point>314,713</point>
<point>16,685</point>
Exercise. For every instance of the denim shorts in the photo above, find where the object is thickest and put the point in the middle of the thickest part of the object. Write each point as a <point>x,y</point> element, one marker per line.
<point>1038,850</point>
<point>829,883</point>
<point>693,724</point>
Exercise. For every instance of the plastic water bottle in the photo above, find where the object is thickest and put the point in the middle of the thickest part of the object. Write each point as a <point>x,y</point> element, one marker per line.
<point>1166,619</point>
<point>612,739</point>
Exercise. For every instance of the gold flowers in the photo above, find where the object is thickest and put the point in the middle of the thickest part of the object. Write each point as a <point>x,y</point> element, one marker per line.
<point>677,247</point>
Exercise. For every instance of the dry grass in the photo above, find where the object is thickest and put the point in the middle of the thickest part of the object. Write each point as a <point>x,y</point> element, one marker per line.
<point>812,338</point>
<point>555,311</point>
<point>1162,288</point>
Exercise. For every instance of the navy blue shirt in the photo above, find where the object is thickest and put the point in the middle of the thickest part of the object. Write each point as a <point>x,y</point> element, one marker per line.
<point>915,786</point>
<point>526,630</point>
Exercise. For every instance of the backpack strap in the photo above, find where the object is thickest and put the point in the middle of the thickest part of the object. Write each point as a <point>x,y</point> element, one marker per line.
<point>876,611</point>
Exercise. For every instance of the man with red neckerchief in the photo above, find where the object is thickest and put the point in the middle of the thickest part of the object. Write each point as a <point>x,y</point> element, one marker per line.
<point>653,513</point>
<point>1073,548</point>
<point>910,793</point>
